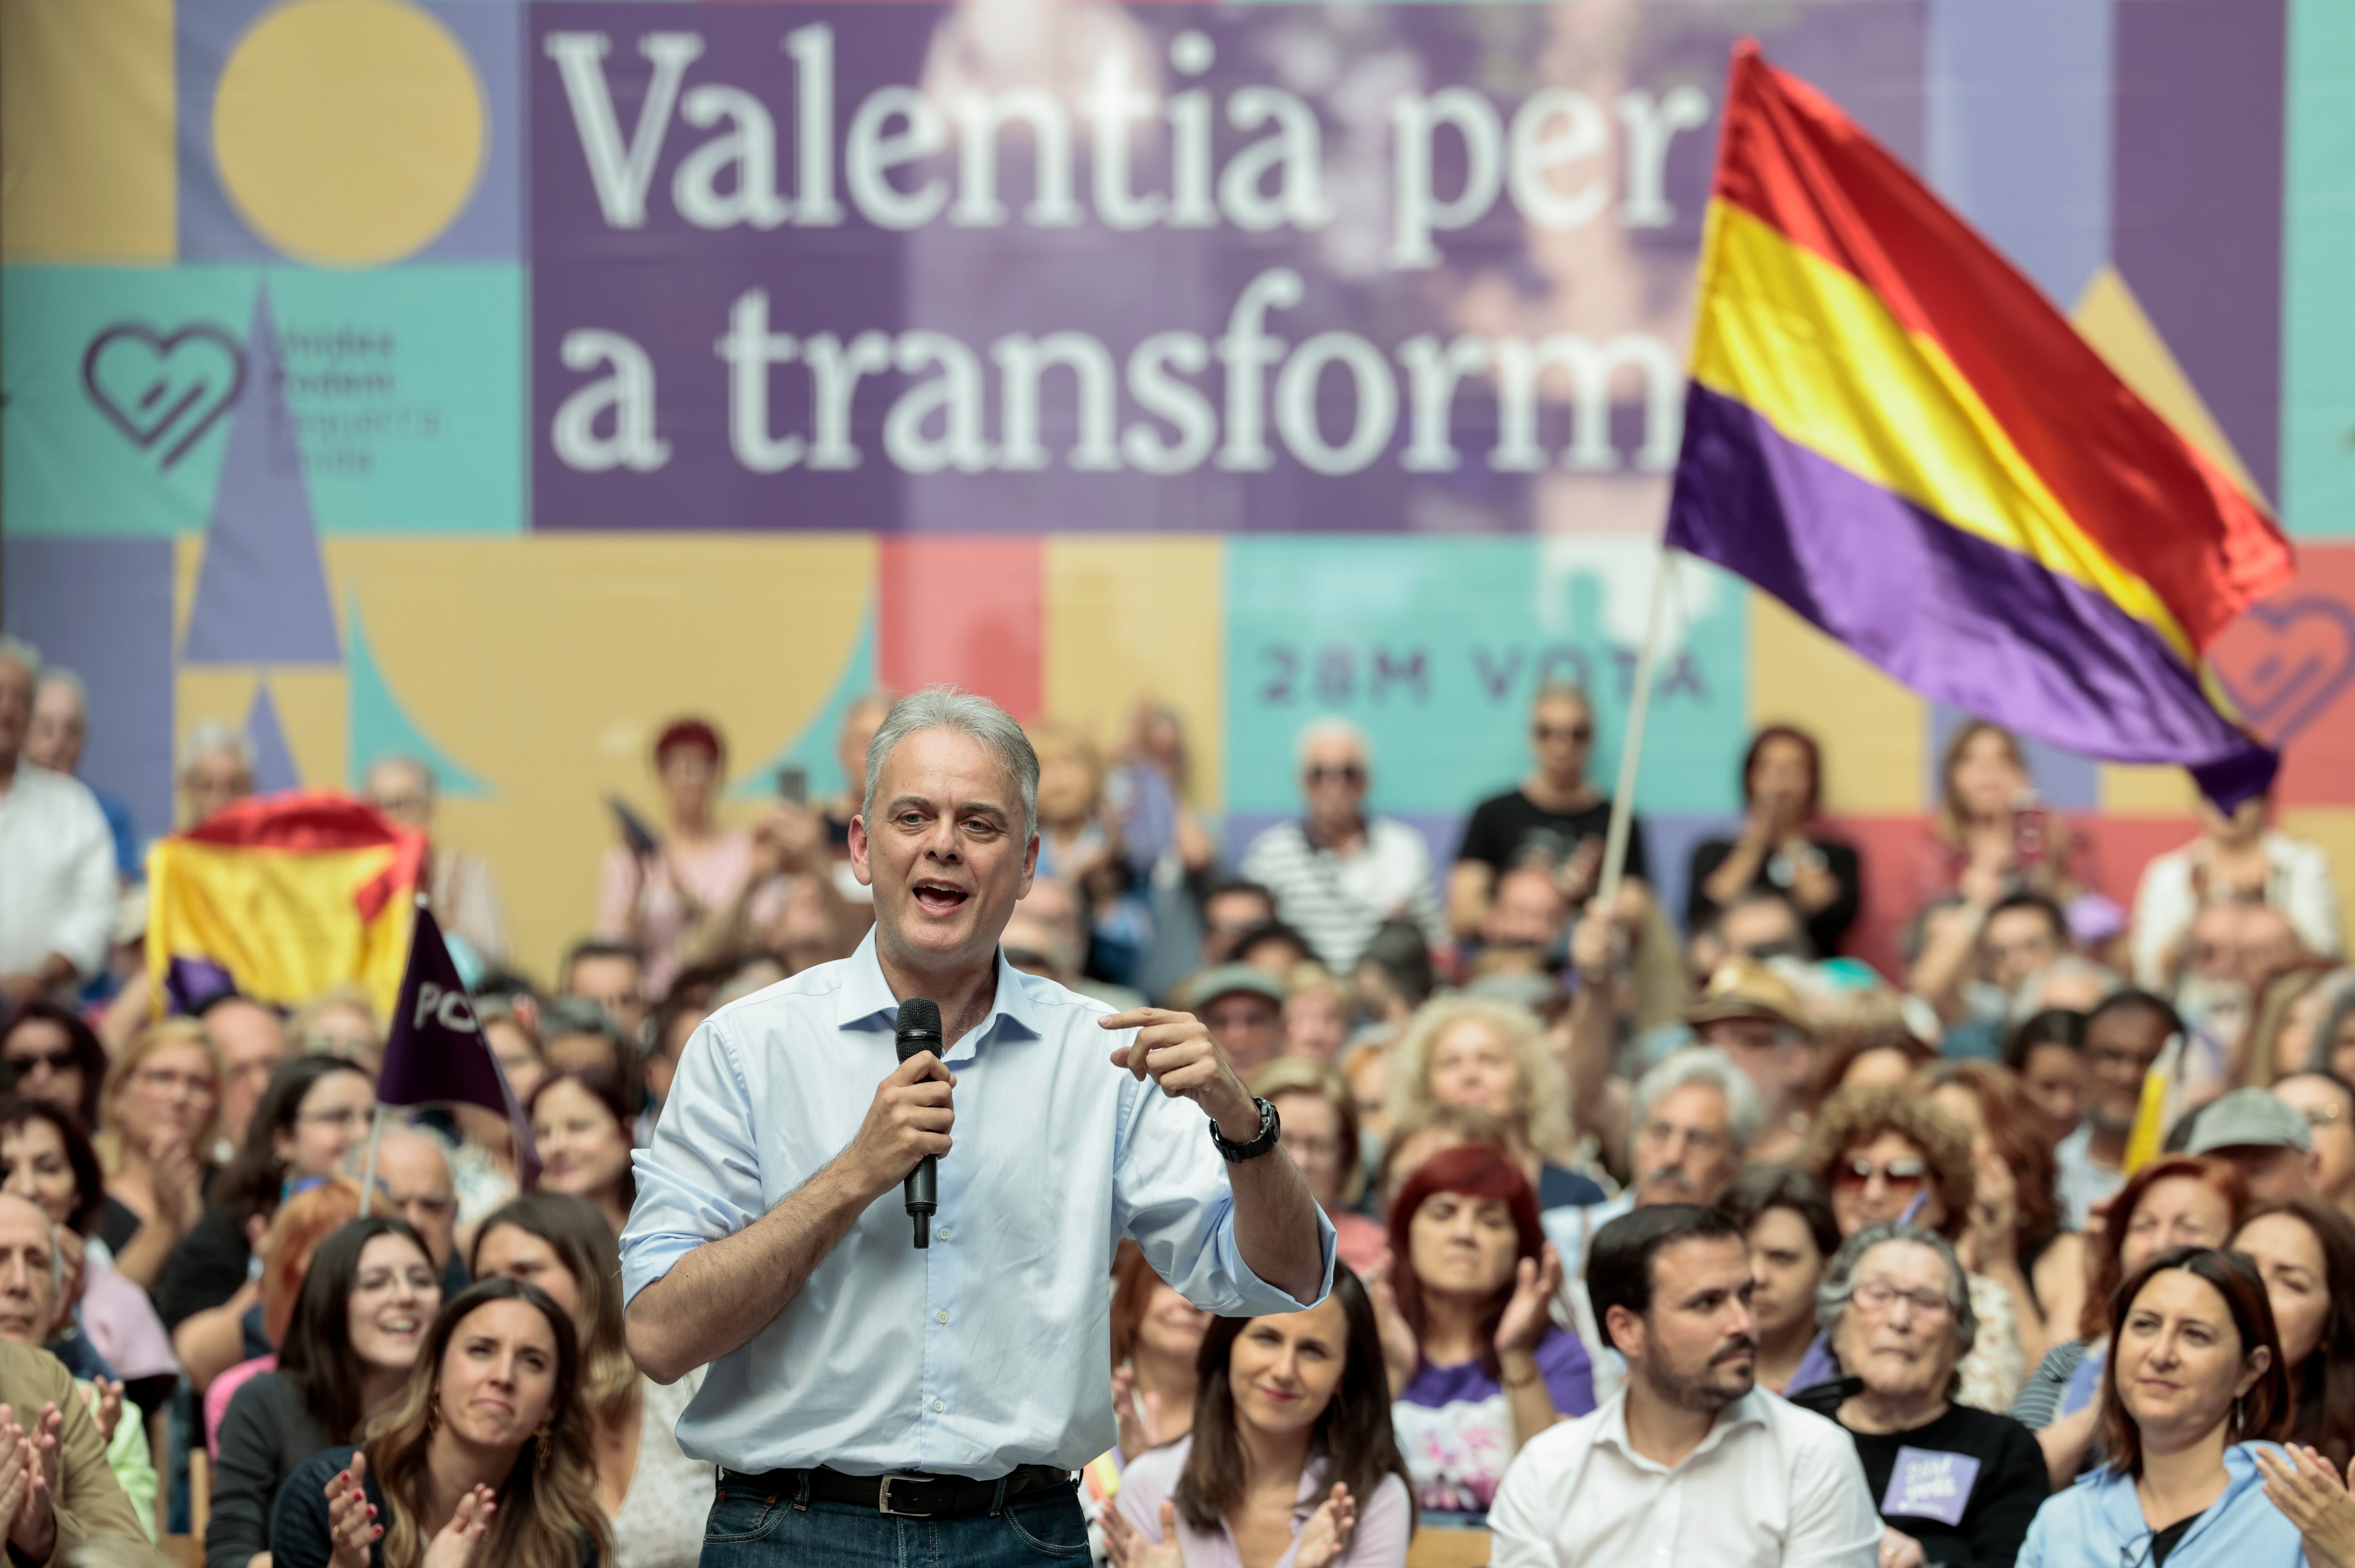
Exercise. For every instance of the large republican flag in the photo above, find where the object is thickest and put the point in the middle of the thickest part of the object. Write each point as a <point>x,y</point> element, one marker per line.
<point>1893,431</point>
<point>281,896</point>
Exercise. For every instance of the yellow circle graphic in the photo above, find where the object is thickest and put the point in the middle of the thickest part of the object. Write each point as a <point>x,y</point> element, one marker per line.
<point>348,132</point>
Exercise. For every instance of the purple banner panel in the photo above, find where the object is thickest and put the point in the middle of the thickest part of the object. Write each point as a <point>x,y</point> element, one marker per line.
<point>1036,266</point>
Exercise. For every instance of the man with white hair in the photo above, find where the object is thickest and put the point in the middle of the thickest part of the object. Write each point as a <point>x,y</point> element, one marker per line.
<point>60,731</point>
<point>1337,874</point>
<point>868,1399</point>
<point>215,769</point>
<point>57,856</point>
<point>1693,1119</point>
<point>83,1498</point>
<point>465,899</point>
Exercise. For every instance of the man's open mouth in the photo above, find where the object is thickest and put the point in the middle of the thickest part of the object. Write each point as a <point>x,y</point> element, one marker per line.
<point>938,897</point>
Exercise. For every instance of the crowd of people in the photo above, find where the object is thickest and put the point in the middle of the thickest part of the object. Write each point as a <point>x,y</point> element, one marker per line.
<point>1665,1224</point>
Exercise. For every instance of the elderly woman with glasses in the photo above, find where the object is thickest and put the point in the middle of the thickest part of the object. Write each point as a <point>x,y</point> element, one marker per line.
<point>1887,1156</point>
<point>1957,1486</point>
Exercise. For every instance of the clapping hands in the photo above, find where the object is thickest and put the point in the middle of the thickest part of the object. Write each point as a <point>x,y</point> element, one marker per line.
<point>1326,1535</point>
<point>28,1481</point>
<point>2311,1496</point>
<point>1126,1547</point>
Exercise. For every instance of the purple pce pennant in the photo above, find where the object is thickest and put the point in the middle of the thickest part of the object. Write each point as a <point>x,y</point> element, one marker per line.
<point>1927,1484</point>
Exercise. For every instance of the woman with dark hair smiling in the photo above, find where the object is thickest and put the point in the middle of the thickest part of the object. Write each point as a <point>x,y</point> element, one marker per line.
<point>1779,848</point>
<point>46,1159</point>
<point>365,1303</point>
<point>581,1120</point>
<point>481,1457</point>
<point>1477,1366</point>
<point>314,1110</point>
<point>1291,1460</point>
<point>2194,1392</point>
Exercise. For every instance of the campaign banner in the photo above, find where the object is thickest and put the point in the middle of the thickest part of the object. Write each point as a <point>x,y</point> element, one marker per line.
<point>994,267</point>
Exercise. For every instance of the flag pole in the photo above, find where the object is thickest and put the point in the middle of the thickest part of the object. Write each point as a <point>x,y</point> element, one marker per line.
<point>1631,753</point>
<point>367,1174</point>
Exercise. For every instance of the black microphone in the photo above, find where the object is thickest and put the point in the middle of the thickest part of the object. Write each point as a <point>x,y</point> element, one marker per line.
<point>919,1029</point>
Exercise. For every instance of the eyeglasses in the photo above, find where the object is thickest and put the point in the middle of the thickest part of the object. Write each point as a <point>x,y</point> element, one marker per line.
<point>55,1060</point>
<point>164,1080</point>
<point>1877,1297</point>
<point>1578,733</point>
<point>344,1116</point>
<point>1314,1148</point>
<point>1898,1173</point>
<point>1346,773</point>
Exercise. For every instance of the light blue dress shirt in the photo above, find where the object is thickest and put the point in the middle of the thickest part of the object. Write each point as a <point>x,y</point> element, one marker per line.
<point>992,1348</point>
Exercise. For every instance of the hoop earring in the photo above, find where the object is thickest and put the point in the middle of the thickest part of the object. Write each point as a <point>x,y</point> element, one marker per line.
<point>432,1416</point>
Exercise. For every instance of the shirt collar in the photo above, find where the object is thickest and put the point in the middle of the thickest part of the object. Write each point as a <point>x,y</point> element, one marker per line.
<point>1748,1411</point>
<point>866,1000</point>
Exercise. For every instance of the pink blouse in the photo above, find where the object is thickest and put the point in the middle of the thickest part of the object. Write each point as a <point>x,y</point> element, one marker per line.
<point>1385,1521</point>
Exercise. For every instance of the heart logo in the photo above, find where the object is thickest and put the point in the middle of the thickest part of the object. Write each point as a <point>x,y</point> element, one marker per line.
<point>2295,656</point>
<point>163,389</point>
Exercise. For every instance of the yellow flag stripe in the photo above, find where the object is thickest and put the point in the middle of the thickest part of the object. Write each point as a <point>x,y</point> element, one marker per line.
<point>1814,352</point>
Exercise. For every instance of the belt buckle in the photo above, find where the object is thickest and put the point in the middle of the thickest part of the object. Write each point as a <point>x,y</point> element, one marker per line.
<point>883,1496</point>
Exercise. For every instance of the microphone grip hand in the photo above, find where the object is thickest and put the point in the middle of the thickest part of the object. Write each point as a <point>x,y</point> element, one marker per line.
<point>907,1123</point>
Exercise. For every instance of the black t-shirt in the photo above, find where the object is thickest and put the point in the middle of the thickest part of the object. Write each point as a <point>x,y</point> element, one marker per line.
<point>1504,829</point>
<point>1971,1485</point>
<point>2163,1543</point>
<point>1826,927</point>
<point>211,1264</point>
<point>119,1227</point>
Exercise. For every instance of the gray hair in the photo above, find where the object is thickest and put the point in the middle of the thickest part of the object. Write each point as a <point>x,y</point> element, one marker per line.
<point>17,651</point>
<point>209,736</point>
<point>949,708</point>
<point>1840,1282</point>
<point>58,675</point>
<point>1332,727</point>
<point>426,777</point>
<point>1745,1113</point>
<point>2029,998</point>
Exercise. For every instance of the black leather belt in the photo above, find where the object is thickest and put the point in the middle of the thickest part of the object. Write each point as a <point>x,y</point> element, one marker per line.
<point>912,1496</point>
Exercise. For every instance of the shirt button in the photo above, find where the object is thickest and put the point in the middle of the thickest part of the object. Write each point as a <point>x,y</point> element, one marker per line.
<point>947,1234</point>
<point>941,1316</point>
<point>938,1405</point>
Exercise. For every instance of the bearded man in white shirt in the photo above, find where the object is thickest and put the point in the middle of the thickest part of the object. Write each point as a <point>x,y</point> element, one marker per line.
<point>1690,1461</point>
<point>56,855</point>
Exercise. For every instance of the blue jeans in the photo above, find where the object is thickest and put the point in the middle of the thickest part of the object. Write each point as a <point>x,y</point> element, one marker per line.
<point>756,1526</point>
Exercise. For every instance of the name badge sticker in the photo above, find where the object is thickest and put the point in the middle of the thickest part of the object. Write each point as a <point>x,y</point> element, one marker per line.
<point>1927,1484</point>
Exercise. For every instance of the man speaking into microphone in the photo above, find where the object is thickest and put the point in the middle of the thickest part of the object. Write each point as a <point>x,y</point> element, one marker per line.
<point>869,1401</point>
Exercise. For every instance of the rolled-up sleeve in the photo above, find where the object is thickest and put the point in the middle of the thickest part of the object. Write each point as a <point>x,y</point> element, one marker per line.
<point>701,1179</point>
<point>1171,1194</point>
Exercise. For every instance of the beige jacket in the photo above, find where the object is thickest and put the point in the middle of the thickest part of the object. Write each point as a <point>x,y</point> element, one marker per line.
<point>89,1503</point>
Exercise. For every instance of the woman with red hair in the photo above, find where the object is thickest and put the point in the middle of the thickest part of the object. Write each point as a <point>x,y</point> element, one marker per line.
<point>667,894</point>
<point>1477,1366</point>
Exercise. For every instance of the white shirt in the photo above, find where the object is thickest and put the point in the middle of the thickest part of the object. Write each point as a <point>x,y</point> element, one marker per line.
<point>1771,1483</point>
<point>57,873</point>
<point>1337,902</point>
<point>993,1347</point>
<point>1572,1229</point>
<point>662,1515</point>
<point>2298,883</point>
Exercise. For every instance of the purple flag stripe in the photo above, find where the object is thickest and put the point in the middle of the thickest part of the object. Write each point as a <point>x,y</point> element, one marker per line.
<point>1953,616</point>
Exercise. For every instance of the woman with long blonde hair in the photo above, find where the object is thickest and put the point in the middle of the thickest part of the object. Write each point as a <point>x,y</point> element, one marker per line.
<point>483,1457</point>
<point>159,1111</point>
<point>1492,1056</point>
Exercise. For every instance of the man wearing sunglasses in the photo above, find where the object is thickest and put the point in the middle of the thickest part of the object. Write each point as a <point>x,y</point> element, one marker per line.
<point>1337,874</point>
<point>1554,815</point>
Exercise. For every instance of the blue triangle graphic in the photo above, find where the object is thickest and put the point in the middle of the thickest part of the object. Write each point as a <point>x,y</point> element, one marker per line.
<point>381,728</point>
<point>813,750</point>
<point>261,595</point>
<point>273,761</point>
